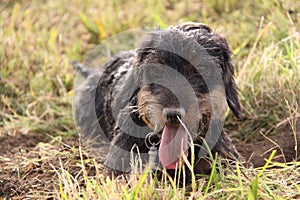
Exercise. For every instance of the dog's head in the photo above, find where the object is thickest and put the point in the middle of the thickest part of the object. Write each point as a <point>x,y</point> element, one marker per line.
<point>184,76</point>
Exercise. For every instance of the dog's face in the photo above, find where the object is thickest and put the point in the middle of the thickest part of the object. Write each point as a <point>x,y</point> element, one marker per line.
<point>186,76</point>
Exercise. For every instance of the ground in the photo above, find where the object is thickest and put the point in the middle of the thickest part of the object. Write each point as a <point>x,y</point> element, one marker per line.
<point>41,156</point>
<point>31,162</point>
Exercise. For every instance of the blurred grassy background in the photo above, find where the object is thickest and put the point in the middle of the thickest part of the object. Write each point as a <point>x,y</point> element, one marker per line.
<point>39,38</point>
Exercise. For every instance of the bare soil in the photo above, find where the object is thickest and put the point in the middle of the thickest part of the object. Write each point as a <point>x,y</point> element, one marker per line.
<point>286,143</point>
<point>30,164</point>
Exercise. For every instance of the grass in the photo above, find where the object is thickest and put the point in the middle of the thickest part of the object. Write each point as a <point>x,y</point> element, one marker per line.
<point>39,39</point>
<point>272,181</point>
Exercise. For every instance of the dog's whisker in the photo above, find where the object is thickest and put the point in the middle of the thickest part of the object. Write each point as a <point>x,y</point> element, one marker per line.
<point>134,111</point>
<point>133,106</point>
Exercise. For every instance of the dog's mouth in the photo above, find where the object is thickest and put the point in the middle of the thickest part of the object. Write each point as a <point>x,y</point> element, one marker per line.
<point>173,146</point>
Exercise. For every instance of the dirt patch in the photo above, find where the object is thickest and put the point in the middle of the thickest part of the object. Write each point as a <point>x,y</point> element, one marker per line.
<point>286,143</point>
<point>21,142</point>
<point>31,165</point>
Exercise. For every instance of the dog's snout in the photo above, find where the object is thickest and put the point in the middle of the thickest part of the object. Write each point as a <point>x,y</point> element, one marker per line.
<point>172,115</point>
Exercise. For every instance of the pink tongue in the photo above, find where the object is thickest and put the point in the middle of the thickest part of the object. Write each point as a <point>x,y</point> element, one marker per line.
<point>174,141</point>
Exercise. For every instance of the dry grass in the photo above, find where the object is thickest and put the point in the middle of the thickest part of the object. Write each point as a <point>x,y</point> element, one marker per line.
<point>39,39</point>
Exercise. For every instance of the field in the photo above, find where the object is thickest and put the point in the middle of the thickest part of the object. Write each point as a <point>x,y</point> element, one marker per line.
<point>41,156</point>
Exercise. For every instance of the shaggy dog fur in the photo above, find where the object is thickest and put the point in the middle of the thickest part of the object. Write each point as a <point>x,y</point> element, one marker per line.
<point>176,85</point>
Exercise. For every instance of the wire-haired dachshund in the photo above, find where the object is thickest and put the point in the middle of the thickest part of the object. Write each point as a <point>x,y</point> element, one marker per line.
<point>164,101</point>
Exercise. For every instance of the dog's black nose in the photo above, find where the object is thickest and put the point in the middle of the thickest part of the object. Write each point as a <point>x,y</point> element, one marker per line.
<point>172,114</point>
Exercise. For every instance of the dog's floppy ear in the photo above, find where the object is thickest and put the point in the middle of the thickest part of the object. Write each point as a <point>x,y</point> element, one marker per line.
<point>229,81</point>
<point>232,95</point>
<point>127,98</point>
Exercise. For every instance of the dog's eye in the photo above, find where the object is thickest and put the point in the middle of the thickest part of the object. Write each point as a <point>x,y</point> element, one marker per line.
<point>204,70</point>
<point>215,51</point>
<point>153,73</point>
<point>157,71</point>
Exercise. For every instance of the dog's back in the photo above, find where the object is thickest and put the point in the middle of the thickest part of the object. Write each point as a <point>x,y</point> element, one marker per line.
<point>93,97</point>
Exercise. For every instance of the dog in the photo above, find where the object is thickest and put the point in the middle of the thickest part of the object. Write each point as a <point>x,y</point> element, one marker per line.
<point>163,102</point>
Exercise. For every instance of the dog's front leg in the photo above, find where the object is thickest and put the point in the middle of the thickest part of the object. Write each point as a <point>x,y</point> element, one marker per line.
<point>218,142</point>
<point>227,149</point>
<point>123,149</point>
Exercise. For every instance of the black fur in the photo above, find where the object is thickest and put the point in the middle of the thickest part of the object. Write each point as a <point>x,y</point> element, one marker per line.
<point>104,104</point>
